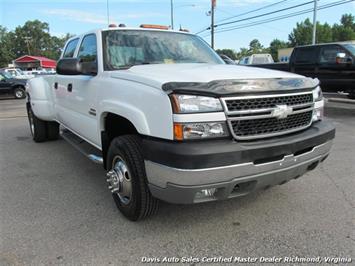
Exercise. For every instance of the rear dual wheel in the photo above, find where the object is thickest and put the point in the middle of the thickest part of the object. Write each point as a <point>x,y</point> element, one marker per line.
<point>41,130</point>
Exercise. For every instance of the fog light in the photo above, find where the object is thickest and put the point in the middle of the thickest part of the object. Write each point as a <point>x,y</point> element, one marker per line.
<point>318,111</point>
<point>205,193</point>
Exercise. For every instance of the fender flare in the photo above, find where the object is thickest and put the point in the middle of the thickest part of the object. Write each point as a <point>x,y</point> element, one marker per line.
<point>127,111</point>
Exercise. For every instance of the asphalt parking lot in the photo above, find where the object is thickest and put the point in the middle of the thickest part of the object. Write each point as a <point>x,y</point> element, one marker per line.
<point>55,209</point>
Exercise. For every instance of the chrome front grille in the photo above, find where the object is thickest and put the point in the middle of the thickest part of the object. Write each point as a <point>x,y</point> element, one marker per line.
<point>267,102</point>
<point>262,116</point>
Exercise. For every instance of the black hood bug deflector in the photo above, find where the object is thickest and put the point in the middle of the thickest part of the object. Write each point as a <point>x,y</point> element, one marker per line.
<point>233,87</point>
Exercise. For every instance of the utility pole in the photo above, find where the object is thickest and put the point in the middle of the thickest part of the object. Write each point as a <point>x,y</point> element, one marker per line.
<point>108,13</point>
<point>27,41</point>
<point>172,13</point>
<point>314,36</point>
<point>213,5</point>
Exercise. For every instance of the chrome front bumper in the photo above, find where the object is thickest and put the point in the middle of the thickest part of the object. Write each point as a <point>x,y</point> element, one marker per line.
<point>182,185</point>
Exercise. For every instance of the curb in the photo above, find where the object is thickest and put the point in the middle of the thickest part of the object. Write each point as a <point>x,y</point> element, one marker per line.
<point>341,100</point>
<point>339,108</point>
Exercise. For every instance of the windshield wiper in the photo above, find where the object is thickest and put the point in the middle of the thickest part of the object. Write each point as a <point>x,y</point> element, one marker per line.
<point>135,64</point>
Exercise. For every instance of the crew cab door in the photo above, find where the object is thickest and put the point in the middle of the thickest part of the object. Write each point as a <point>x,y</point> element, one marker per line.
<point>304,61</point>
<point>76,95</point>
<point>332,74</point>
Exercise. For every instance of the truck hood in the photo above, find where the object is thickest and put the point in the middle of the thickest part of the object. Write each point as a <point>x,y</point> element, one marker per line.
<point>206,77</point>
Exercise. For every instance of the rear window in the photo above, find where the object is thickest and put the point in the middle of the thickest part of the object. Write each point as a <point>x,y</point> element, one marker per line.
<point>260,60</point>
<point>70,49</point>
<point>306,55</point>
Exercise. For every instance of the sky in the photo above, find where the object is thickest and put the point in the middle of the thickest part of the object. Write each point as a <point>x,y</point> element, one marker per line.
<point>79,16</point>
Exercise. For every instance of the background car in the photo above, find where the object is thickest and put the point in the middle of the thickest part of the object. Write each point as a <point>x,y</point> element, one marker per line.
<point>12,86</point>
<point>17,73</point>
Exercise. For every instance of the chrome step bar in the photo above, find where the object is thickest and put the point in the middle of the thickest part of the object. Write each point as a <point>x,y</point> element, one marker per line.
<point>82,146</point>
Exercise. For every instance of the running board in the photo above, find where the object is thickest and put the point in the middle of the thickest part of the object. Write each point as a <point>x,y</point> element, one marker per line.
<point>82,146</point>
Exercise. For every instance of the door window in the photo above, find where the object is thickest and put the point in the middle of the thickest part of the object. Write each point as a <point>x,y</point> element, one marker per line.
<point>70,49</point>
<point>306,55</point>
<point>329,53</point>
<point>88,49</point>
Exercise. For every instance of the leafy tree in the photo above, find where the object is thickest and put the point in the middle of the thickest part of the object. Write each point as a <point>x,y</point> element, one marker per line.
<point>302,34</point>
<point>346,30</point>
<point>242,53</point>
<point>348,21</point>
<point>255,47</point>
<point>6,54</point>
<point>33,38</point>
<point>228,52</point>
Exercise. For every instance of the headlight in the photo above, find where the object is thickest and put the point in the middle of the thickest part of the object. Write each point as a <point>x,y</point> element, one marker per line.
<point>183,104</point>
<point>205,130</point>
<point>318,104</point>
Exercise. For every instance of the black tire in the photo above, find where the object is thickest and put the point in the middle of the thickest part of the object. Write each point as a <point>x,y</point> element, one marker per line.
<point>38,127</point>
<point>19,93</point>
<point>52,130</point>
<point>351,95</point>
<point>141,204</point>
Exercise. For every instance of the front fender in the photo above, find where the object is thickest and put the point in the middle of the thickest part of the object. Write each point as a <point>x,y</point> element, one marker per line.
<point>130,112</point>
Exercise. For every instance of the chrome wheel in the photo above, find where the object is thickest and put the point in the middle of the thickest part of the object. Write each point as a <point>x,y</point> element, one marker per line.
<point>19,94</point>
<point>119,180</point>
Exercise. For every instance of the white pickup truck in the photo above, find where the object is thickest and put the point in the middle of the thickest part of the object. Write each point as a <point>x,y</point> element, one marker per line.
<point>171,121</point>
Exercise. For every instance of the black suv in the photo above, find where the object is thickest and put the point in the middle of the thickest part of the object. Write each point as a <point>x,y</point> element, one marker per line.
<point>12,86</point>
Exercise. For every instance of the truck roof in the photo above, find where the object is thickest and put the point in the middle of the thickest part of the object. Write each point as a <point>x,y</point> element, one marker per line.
<point>96,31</point>
<point>321,44</point>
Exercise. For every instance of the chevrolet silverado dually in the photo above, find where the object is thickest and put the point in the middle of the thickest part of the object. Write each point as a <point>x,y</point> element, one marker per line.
<point>169,120</point>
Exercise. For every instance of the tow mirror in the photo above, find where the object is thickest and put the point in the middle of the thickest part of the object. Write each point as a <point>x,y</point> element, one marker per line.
<point>74,66</point>
<point>341,58</point>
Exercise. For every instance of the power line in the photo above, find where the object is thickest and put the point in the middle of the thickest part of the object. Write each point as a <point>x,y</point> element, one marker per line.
<point>245,13</point>
<point>265,14</point>
<point>283,16</point>
<point>252,11</point>
<point>258,16</point>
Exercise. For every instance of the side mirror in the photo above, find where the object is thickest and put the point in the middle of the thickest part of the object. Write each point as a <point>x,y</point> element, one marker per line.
<point>74,66</point>
<point>341,58</point>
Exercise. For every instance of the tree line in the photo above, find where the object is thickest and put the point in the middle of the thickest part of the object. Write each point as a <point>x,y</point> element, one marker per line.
<point>33,38</point>
<point>300,35</point>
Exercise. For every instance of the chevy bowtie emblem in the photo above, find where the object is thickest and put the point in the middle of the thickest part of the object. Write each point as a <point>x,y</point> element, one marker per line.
<point>281,111</point>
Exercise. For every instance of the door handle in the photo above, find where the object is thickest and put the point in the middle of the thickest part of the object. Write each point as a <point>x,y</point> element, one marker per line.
<point>70,87</point>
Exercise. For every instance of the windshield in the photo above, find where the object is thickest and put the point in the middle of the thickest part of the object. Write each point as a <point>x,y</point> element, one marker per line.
<point>19,71</point>
<point>351,48</point>
<point>126,48</point>
<point>7,75</point>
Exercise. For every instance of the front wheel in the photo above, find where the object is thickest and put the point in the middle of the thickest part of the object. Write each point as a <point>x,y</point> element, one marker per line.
<point>19,93</point>
<point>127,178</point>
